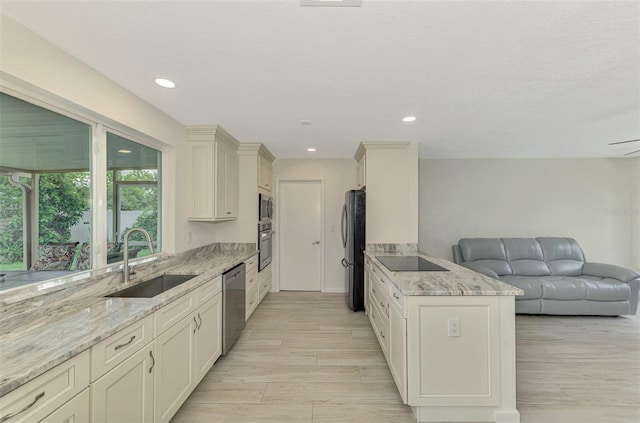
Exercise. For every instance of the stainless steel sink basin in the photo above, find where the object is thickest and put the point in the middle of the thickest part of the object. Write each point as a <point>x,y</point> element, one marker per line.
<point>153,287</point>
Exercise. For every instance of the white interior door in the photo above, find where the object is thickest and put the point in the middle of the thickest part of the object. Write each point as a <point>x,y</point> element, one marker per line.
<point>300,240</point>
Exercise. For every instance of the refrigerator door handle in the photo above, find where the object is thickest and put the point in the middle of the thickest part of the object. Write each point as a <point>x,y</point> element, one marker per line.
<point>343,227</point>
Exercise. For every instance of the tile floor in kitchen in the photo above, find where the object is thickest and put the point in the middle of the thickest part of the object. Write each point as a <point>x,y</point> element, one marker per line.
<point>304,357</point>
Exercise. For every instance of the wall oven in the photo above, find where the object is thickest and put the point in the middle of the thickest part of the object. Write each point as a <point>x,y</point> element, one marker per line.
<point>266,207</point>
<point>265,244</point>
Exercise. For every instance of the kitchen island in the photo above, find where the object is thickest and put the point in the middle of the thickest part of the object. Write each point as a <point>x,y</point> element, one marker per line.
<point>448,338</point>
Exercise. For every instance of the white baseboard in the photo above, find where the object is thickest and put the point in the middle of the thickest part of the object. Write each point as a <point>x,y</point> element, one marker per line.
<point>334,291</point>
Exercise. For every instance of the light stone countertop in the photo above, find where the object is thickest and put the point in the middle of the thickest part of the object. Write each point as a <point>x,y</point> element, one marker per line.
<point>54,335</point>
<point>457,281</point>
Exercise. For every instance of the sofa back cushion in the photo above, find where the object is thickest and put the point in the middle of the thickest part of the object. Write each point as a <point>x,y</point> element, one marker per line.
<point>525,257</point>
<point>487,252</point>
<point>562,255</point>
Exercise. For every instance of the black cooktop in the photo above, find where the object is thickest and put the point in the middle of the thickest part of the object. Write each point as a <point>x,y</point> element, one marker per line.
<point>409,264</point>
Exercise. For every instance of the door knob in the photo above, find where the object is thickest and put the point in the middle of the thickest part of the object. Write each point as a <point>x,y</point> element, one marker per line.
<point>315,243</point>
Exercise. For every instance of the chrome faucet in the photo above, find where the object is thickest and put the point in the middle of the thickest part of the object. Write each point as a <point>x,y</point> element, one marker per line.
<point>125,265</point>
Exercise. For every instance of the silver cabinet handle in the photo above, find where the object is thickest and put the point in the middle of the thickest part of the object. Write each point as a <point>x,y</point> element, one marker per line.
<point>395,296</point>
<point>373,289</point>
<point>196,322</point>
<point>153,361</point>
<point>382,335</point>
<point>36,399</point>
<point>228,212</point>
<point>315,243</point>
<point>125,344</point>
<point>199,318</point>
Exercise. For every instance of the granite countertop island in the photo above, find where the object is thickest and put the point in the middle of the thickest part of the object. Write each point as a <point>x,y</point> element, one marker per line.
<point>457,281</point>
<point>34,341</point>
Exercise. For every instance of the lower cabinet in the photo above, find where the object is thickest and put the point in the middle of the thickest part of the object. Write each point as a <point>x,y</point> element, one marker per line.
<point>125,394</point>
<point>75,410</point>
<point>51,396</point>
<point>174,375</point>
<point>185,354</point>
<point>208,336</point>
<point>397,350</point>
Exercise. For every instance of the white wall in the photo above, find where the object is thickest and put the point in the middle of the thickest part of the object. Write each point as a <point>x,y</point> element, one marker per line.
<point>28,63</point>
<point>339,176</point>
<point>595,201</point>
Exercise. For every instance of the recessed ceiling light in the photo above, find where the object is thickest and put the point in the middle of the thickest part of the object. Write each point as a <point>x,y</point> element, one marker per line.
<point>165,83</point>
<point>124,151</point>
<point>305,122</point>
<point>408,118</point>
<point>311,150</point>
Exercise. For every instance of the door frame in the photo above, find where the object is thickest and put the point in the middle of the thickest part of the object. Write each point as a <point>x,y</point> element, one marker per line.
<point>276,252</point>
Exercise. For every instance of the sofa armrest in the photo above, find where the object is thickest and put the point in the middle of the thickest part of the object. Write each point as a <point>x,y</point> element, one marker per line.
<point>480,269</point>
<point>612,271</point>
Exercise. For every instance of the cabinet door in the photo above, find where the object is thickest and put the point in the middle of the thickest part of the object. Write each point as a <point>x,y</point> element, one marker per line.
<point>125,394</point>
<point>175,363</point>
<point>200,181</point>
<point>75,410</point>
<point>397,356</point>
<point>361,169</point>
<point>231,184</point>
<point>264,173</point>
<point>208,336</point>
<point>226,186</point>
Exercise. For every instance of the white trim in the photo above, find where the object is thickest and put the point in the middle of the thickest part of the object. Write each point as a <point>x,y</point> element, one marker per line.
<point>276,254</point>
<point>334,291</point>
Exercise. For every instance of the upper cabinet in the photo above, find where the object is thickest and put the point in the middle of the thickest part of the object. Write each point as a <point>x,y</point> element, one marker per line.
<point>213,174</point>
<point>361,170</point>
<point>391,180</point>
<point>265,174</point>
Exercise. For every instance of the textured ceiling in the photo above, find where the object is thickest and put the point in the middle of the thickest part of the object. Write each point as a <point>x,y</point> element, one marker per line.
<point>485,79</point>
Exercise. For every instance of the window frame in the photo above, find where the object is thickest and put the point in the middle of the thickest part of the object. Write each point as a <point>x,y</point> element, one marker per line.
<point>99,126</point>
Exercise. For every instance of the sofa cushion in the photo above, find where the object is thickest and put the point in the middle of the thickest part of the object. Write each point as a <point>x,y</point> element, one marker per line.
<point>562,255</point>
<point>525,257</point>
<point>487,252</point>
<point>563,288</point>
<point>531,285</point>
<point>605,289</point>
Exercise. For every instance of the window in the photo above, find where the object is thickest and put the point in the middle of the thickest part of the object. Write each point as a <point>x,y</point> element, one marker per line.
<point>46,201</point>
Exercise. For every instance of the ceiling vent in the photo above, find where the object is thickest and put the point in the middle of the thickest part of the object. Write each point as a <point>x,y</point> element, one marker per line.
<point>332,3</point>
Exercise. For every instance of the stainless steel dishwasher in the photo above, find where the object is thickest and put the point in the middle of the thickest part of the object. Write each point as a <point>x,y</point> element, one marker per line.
<point>233,306</point>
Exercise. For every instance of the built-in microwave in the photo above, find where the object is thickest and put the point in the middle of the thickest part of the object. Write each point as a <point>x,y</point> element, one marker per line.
<point>266,207</point>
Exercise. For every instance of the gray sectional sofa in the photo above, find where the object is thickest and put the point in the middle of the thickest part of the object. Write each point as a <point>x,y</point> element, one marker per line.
<point>554,275</point>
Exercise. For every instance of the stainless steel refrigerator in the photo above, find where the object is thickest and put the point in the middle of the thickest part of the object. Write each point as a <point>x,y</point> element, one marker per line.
<point>353,240</point>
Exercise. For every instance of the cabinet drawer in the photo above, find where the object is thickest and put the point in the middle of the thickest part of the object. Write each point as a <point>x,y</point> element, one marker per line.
<point>172,313</point>
<point>209,290</point>
<point>396,299</point>
<point>252,278</point>
<point>265,287</point>
<point>118,347</point>
<point>40,397</point>
<point>379,319</point>
<point>379,292</point>
<point>251,263</point>
<point>251,301</point>
<point>74,411</point>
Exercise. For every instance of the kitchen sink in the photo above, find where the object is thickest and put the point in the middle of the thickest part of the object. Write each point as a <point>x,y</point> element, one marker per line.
<point>153,287</point>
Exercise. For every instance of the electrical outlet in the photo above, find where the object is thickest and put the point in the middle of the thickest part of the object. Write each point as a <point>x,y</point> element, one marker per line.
<point>454,326</point>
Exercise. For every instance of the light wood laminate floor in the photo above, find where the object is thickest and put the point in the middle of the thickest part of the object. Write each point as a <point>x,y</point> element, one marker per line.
<point>304,357</point>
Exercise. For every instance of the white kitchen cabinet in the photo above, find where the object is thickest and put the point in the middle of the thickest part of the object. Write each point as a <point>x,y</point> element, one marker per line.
<point>175,376</point>
<point>76,410</point>
<point>45,394</point>
<point>265,172</point>
<point>397,349</point>
<point>213,174</point>
<point>125,393</point>
<point>265,279</point>
<point>389,170</point>
<point>361,171</point>
<point>208,338</point>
